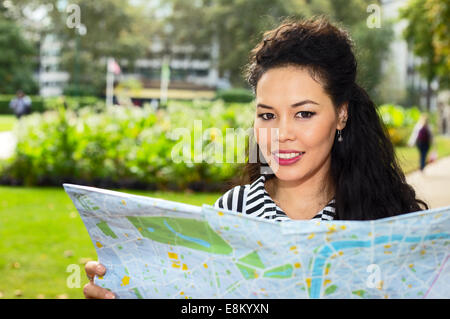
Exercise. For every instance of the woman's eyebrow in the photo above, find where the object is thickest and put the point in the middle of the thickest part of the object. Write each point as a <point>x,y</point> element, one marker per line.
<point>293,105</point>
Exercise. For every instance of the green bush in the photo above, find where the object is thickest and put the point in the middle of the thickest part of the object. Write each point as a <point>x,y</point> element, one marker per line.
<point>79,90</point>
<point>121,146</point>
<point>399,122</point>
<point>235,95</point>
<point>37,104</point>
<point>395,116</point>
<point>127,146</point>
<point>73,103</point>
<point>40,104</point>
<point>4,104</point>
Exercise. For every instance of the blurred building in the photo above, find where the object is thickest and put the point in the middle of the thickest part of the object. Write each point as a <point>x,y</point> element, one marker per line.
<point>192,73</point>
<point>197,75</point>
<point>443,108</point>
<point>51,79</point>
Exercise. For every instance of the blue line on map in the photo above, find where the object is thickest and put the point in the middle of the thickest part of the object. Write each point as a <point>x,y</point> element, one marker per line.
<point>195,240</point>
<point>150,229</point>
<point>326,251</point>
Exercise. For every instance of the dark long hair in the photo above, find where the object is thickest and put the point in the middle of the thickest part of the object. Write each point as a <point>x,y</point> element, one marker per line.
<point>368,180</point>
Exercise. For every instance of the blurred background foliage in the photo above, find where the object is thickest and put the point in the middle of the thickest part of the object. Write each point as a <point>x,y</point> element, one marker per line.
<point>127,146</point>
<point>124,30</point>
<point>16,58</point>
<point>77,138</point>
<point>130,147</point>
<point>399,122</point>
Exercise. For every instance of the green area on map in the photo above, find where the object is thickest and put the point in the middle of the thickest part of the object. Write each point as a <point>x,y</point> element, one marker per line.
<point>185,232</point>
<point>106,230</point>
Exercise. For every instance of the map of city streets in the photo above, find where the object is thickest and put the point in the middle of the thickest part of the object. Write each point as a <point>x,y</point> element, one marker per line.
<point>154,248</point>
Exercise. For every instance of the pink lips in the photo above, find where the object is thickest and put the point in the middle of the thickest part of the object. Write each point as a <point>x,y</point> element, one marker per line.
<point>284,161</point>
<point>286,151</point>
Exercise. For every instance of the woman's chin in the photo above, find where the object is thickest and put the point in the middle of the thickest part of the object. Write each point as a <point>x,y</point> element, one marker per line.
<point>286,173</point>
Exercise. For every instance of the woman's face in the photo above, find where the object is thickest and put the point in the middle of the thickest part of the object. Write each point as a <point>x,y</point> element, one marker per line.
<point>294,114</point>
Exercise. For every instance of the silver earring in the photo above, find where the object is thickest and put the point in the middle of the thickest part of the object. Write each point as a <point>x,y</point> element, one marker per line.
<point>340,139</point>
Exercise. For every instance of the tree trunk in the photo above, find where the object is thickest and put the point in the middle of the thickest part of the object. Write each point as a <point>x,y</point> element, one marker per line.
<point>429,92</point>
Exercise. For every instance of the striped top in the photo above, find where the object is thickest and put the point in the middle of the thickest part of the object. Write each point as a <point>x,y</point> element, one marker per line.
<point>253,199</point>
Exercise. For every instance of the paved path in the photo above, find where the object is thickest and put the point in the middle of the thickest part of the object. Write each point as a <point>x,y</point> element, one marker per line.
<point>7,144</point>
<point>432,186</point>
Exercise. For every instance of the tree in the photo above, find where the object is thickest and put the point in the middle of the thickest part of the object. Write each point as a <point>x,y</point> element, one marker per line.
<point>438,13</point>
<point>372,48</point>
<point>236,24</point>
<point>16,58</point>
<point>239,25</point>
<point>108,28</point>
<point>427,33</point>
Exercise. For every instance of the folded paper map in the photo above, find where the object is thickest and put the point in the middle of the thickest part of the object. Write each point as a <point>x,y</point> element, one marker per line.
<point>154,248</point>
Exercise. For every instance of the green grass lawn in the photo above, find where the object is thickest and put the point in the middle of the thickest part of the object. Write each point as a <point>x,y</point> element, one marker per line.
<point>409,156</point>
<point>42,234</point>
<point>7,122</point>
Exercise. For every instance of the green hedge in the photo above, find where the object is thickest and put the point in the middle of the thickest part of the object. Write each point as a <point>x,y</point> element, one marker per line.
<point>235,95</point>
<point>132,147</point>
<point>399,121</point>
<point>40,104</point>
<point>73,103</point>
<point>125,146</point>
<point>36,106</point>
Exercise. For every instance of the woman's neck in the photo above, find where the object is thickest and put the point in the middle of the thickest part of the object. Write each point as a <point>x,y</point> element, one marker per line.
<point>302,199</point>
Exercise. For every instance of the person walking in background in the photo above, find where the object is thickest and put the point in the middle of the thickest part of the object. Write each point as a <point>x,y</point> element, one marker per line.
<point>423,138</point>
<point>21,104</point>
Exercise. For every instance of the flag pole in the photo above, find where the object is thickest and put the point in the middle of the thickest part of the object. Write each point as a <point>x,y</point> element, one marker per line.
<point>165,78</point>
<point>109,83</point>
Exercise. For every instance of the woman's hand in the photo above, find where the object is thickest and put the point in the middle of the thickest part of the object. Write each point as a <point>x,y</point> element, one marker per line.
<point>92,291</point>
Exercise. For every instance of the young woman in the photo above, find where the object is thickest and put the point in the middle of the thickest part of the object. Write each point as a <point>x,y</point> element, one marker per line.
<point>330,156</point>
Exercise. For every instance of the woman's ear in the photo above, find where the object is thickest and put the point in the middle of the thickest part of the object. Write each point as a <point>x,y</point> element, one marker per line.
<point>342,116</point>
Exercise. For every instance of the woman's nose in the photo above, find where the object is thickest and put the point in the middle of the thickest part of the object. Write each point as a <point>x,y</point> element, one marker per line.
<point>284,131</point>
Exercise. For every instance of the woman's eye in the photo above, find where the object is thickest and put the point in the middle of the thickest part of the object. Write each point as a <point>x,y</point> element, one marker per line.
<point>265,118</point>
<point>307,115</point>
<point>269,116</point>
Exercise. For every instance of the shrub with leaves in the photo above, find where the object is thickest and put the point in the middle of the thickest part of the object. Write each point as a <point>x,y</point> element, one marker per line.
<point>127,146</point>
<point>399,122</point>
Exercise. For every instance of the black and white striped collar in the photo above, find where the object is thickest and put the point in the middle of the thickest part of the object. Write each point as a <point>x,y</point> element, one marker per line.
<point>273,211</point>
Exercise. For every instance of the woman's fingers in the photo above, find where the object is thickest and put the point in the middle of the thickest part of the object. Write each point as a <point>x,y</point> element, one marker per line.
<point>93,268</point>
<point>92,291</point>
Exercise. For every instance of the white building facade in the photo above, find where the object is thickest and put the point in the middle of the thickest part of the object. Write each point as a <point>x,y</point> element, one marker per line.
<point>51,79</point>
<point>192,72</point>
